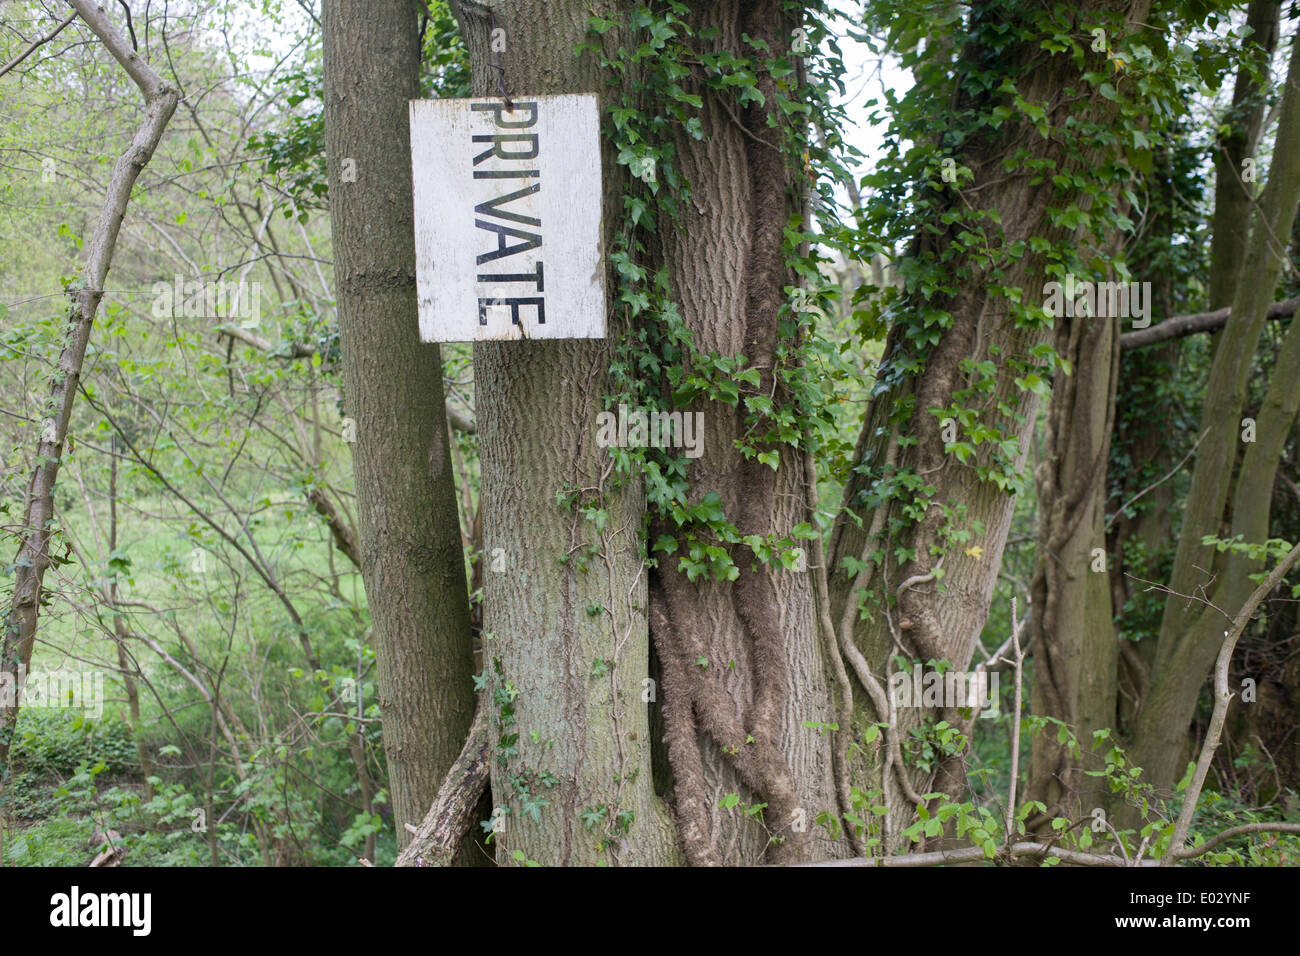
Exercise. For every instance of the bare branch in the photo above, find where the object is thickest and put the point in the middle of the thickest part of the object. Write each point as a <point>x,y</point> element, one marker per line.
<point>1182,325</point>
<point>1015,720</point>
<point>37,44</point>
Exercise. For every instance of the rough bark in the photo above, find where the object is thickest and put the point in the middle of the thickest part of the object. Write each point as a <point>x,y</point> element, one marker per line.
<point>441,833</point>
<point>537,403</point>
<point>740,727</point>
<point>410,549</point>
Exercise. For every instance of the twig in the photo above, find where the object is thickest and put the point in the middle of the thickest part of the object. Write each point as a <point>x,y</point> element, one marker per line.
<point>1015,721</point>
<point>37,43</point>
<point>1119,511</point>
<point>130,27</point>
<point>1119,842</point>
<point>1156,586</point>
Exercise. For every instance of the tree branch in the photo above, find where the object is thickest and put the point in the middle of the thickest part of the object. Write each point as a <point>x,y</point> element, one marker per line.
<point>344,539</point>
<point>297,350</point>
<point>37,44</point>
<point>1182,325</point>
<point>1016,627</point>
<point>33,558</point>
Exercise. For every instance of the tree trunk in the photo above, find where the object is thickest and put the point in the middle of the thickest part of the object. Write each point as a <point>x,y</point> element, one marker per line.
<point>1190,633</point>
<point>926,619</point>
<point>564,620</point>
<point>737,723</point>
<point>1233,195</point>
<point>411,557</point>
<point>1075,649</point>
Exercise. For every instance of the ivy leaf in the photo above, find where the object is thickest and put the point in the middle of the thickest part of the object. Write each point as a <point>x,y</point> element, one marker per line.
<point>710,510</point>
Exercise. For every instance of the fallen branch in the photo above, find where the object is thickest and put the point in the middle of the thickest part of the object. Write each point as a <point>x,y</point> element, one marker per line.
<point>1187,853</point>
<point>975,854</point>
<point>444,827</point>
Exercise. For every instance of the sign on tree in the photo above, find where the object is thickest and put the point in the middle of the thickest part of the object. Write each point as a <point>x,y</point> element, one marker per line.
<point>507,218</point>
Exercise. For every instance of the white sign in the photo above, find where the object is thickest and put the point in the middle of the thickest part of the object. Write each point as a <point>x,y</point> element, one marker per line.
<point>507,218</point>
